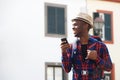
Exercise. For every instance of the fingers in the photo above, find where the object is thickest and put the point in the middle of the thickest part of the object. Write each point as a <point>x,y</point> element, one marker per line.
<point>91,54</point>
<point>64,47</point>
<point>88,53</point>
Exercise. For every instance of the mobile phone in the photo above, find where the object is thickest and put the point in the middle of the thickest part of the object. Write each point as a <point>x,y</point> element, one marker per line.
<point>64,40</point>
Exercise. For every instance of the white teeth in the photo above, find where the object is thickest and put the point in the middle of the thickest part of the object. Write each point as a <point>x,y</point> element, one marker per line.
<point>75,26</point>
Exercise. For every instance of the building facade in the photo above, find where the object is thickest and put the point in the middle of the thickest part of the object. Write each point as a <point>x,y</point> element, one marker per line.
<point>109,11</point>
<point>30,32</point>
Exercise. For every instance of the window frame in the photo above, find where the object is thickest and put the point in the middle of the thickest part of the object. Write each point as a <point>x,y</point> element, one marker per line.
<point>111,13</point>
<point>55,64</point>
<point>110,74</point>
<point>65,14</point>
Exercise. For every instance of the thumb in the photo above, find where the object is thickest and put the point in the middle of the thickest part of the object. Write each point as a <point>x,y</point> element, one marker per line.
<point>88,53</point>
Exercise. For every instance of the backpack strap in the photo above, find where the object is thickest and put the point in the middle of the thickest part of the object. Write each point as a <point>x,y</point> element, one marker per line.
<point>74,51</point>
<point>74,47</point>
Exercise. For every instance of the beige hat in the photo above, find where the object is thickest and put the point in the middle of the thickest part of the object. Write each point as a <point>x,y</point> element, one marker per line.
<point>84,17</point>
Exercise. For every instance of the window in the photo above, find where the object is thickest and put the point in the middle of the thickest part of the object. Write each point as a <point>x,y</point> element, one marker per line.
<point>107,29</point>
<point>55,20</point>
<point>110,75</point>
<point>107,75</point>
<point>54,71</point>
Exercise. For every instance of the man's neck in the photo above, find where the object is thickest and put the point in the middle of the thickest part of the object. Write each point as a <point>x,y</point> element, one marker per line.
<point>84,39</point>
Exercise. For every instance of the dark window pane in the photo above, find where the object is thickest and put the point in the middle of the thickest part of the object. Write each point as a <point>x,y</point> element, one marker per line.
<point>60,21</point>
<point>56,20</point>
<point>95,14</point>
<point>51,20</point>
<point>107,27</point>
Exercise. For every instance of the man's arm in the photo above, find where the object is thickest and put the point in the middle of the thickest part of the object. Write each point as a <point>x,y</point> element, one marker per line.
<point>104,61</point>
<point>66,57</point>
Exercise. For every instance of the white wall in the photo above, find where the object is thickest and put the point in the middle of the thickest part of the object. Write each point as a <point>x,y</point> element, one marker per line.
<point>94,5</point>
<point>23,47</point>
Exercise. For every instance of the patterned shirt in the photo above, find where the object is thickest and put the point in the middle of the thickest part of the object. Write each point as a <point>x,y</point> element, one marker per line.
<point>86,69</point>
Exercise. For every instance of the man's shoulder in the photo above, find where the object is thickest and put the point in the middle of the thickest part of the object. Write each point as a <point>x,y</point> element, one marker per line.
<point>93,40</point>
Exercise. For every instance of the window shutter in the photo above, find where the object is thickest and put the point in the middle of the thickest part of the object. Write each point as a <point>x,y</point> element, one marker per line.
<point>56,20</point>
<point>60,21</point>
<point>51,19</point>
<point>107,27</point>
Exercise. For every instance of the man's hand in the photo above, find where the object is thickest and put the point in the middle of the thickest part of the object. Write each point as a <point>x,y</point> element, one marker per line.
<point>64,47</point>
<point>91,54</point>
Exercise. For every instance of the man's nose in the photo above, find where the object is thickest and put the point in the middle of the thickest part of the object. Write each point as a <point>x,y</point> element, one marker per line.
<point>73,28</point>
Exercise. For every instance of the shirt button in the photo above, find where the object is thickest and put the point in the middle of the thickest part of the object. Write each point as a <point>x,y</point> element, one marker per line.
<point>74,52</point>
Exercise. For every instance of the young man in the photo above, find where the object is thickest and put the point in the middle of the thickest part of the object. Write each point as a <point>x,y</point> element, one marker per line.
<point>87,55</point>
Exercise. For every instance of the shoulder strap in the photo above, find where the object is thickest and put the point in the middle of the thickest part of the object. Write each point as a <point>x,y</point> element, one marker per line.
<point>74,47</point>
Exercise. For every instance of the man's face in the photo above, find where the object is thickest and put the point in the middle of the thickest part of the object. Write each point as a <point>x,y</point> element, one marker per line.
<point>78,28</point>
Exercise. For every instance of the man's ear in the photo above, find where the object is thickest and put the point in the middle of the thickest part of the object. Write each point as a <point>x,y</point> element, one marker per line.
<point>88,26</point>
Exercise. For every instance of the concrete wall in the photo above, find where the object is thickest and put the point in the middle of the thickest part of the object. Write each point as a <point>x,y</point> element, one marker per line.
<point>92,6</point>
<point>24,49</point>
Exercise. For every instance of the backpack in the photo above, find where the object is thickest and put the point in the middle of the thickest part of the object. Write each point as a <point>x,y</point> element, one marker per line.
<point>74,47</point>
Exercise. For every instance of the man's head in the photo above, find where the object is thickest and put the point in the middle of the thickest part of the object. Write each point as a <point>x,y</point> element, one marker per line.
<point>84,17</point>
<point>81,24</point>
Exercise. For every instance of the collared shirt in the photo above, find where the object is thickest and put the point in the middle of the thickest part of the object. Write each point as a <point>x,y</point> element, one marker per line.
<point>86,69</point>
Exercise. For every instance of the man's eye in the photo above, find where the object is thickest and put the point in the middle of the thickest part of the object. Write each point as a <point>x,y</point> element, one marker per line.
<point>75,24</point>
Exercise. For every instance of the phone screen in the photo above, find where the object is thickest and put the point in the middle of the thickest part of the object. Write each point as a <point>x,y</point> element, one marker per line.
<point>64,40</point>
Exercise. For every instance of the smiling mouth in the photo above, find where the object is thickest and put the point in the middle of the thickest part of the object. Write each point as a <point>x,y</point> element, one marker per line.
<point>75,34</point>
